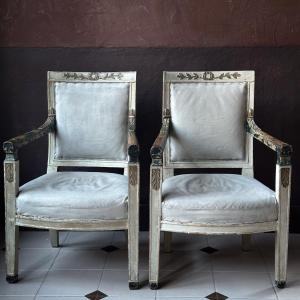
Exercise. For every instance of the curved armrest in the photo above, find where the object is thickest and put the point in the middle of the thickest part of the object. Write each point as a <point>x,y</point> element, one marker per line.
<point>159,144</point>
<point>12,146</point>
<point>283,150</point>
<point>132,144</point>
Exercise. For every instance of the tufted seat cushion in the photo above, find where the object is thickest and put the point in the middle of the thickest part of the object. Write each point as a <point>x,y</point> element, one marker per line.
<point>75,195</point>
<point>217,199</point>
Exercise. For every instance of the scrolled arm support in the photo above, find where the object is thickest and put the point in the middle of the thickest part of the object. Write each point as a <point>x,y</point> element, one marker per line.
<point>283,150</point>
<point>133,145</point>
<point>159,144</point>
<point>12,146</point>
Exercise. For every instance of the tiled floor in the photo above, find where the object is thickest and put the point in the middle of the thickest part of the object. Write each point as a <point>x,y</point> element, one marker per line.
<point>198,268</point>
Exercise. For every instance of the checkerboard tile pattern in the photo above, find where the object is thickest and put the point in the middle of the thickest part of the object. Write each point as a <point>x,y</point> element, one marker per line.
<point>93,265</point>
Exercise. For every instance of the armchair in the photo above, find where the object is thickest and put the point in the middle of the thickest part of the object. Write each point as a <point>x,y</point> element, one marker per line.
<point>91,123</point>
<point>208,122</point>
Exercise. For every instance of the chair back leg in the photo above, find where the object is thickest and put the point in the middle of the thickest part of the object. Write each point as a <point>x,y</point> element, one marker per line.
<point>246,242</point>
<point>54,238</point>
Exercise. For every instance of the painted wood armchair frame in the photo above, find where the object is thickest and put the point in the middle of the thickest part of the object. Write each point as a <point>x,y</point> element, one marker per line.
<point>162,168</point>
<point>131,169</point>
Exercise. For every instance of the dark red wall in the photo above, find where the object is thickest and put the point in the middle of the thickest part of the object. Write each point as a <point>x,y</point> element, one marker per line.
<point>149,23</point>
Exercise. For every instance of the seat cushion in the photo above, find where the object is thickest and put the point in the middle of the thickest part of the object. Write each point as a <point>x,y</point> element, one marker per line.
<point>75,195</point>
<point>217,199</point>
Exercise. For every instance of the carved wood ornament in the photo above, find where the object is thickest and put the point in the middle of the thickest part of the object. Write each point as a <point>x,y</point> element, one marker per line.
<point>285,177</point>
<point>155,179</point>
<point>9,174</point>
<point>93,76</point>
<point>207,76</point>
<point>132,175</point>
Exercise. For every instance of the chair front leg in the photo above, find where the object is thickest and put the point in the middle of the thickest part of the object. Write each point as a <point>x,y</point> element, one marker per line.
<point>11,183</point>
<point>133,225</point>
<point>283,186</point>
<point>155,219</point>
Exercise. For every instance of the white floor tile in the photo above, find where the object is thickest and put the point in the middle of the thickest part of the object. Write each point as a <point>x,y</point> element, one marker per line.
<point>181,298</point>
<point>185,284</point>
<point>115,283</point>
<point>37,259</point>
<point>38,239</point>
<point>70,282</point>
<point>17,297</point>
<point>244,285</point>
<point>185,260</point>
<point>118,260</point>
<point>238,260</point>
<point>74,259</point>
<point>89,240</point>
<point>231,242</point>
<point>184,241</point>
<point>33,259</point>
<point>120,241</point>
<point>131,298</point>
<point>29,283</point>
<point>60,298</point>
<point>293,261</point>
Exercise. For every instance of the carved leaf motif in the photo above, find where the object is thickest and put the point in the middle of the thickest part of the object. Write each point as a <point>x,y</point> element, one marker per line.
<point>285,177</point>
<point>93,76</point>
<point>155,179</point>
<point>9,174</point>
<point>208,76</point>
<point>133,175</point>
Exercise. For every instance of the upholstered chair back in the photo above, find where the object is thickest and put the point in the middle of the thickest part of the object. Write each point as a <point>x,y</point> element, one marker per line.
<point>208,113</point>
<point>91,115</point>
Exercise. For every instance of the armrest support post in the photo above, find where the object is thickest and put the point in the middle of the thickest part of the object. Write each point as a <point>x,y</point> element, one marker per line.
<point>133,145</point>
<point>159,144</point>
<point>283,150</point>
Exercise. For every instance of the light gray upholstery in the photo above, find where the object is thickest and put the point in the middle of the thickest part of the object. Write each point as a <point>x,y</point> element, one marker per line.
<point>91,120</point>
<point>75,195</point>
<point>208,121</point>
<point>217,199</point>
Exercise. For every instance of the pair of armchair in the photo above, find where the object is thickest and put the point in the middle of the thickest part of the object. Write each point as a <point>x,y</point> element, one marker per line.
<point>207,122</point>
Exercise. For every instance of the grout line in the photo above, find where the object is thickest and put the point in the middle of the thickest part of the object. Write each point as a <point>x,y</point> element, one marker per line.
<point>212,268</point>
<point>58,252</point>
<point>267,269</point>
<point>105,261</point>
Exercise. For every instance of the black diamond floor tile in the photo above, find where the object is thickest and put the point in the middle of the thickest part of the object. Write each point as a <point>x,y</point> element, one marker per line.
<point>209,250</point>
<point>216,296</point>
<point>96,295</point>
<point>110,248</point>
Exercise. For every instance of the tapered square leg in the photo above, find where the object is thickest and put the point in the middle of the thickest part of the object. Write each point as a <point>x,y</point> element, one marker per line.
<point>155,217</point>
<point>246,242</point>
<point>54,238</point>
<point>12,241</point>
<point>133,226</point>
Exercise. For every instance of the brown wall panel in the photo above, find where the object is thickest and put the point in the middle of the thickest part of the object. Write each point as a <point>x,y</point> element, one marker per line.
<point>149,23</point>
<point>24,99</point>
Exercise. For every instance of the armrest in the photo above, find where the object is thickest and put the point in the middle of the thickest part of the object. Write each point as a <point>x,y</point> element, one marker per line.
<point>132,144</point>
<point>159,144</point>
<point>12,146</point>
<point>283,150</point>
